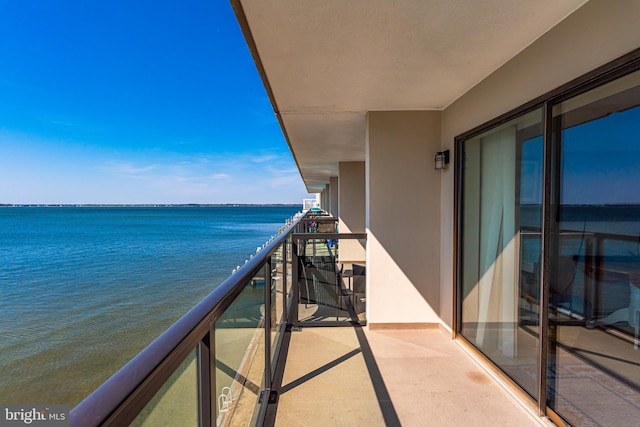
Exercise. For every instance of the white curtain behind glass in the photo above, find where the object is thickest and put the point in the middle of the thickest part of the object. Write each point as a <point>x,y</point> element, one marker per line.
<point>497,291</point>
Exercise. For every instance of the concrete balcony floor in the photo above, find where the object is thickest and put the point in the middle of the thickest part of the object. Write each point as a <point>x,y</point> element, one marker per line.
<point>352,376</point>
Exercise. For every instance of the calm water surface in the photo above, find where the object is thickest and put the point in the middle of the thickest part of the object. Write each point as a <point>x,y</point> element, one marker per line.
<point>82,290</point>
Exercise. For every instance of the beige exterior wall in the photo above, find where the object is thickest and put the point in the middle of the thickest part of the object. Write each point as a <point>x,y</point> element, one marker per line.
<point>403,217</point>
<point>323,199</point>
<point>352,210</point>
<point>326,198</point>
<point>596,34</point>
<point>352,197</point>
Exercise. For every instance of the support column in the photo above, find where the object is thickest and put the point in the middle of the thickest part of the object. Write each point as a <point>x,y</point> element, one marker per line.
<point>323,199</point>
<point>334,189</point>
<point>403,217</point>
<point>352,202</point>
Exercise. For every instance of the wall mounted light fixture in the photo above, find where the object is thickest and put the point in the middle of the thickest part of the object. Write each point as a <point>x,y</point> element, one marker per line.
<point>442,159</point>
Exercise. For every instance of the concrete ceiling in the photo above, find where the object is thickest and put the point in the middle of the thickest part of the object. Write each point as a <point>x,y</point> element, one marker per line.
<point>328,62</point>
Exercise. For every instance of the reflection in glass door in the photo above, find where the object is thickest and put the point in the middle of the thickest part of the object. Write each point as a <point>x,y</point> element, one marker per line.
<point>501,245</point>
<point>594,296</point>
<point>585,287</point>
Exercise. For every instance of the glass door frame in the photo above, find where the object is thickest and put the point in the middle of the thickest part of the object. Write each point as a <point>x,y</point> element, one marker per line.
<point>550,204</point>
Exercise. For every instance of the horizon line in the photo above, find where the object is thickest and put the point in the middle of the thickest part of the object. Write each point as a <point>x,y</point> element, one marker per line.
<point>143,204</point>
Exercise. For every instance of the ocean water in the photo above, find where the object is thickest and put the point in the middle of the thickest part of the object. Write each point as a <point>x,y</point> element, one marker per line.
<point>83,289</point>
<point>614,230</point>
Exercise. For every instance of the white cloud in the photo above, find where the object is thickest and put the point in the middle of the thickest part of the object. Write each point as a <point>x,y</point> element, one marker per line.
<point>128,170</point>
<point>285,180</point>
<point>285,171</point>
<point>40,170</point>
<point>263,158</point>
<point>219,177</point>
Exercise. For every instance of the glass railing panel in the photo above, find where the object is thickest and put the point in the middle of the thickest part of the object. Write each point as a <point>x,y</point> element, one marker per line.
<point>277,298</point>
<point>239,347</point>
<point>352,264</point>
<point>176,403</point>
<point>320,291</point>
<point>289,275</point>
<point>240,355</point>
<point>332,278</point>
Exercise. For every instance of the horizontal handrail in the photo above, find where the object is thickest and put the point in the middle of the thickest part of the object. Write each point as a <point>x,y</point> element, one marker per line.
<point>133,386</point>
<point>533,231</point>
<point>321,219</point>
<point>335,236</point>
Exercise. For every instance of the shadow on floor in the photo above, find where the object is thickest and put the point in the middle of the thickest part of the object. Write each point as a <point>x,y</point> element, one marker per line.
<point>387,409</point>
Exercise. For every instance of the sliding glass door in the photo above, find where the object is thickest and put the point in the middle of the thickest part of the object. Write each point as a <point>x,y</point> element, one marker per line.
<point>501,245</point>
<point>594,295</point>
<point>587,367</point>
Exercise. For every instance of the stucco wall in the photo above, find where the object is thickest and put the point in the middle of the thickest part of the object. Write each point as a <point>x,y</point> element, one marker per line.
<point>352,209</point>
<point>352,197</point>
<point>333,196</point>
<point>403,217</point>
<point>594,35</point>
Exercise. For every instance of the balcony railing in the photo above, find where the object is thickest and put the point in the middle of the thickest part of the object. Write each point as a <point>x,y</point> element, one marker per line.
<point>330,284</point>
<point>215,365</point>
<point>593,281</point>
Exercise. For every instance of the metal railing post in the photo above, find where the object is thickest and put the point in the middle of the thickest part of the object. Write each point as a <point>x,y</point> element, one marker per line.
<point>294,282</point>
<point>212,372</point>
<point>267,325</point>
<point>285,310</point>
<point>205,387</point>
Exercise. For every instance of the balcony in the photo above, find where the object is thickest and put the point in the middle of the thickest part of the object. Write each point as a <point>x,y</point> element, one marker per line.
<point>284,341</point>
<point>356,376</point>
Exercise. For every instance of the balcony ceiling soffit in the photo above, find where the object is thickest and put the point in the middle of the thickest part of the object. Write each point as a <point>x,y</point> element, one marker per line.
<point>329,62</point>
<point>342,139</point>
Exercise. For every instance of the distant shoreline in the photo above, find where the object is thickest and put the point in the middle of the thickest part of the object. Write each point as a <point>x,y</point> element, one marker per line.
<point>143,205</point>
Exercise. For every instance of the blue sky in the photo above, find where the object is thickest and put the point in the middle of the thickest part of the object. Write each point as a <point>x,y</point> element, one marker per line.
<point>135,102</point>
